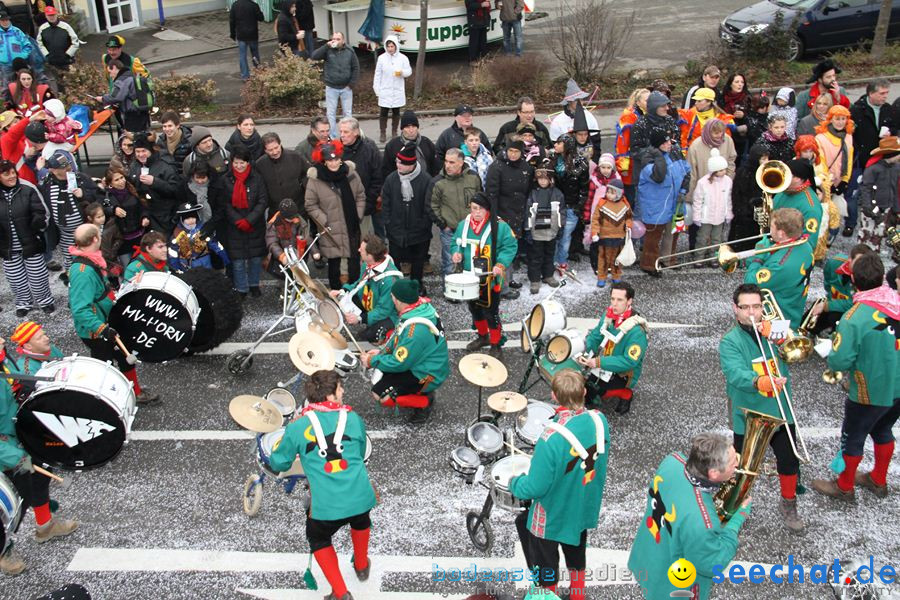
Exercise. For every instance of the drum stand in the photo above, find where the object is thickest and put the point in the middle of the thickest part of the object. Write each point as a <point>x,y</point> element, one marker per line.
<point>534,361</point>
<point>478,524</point>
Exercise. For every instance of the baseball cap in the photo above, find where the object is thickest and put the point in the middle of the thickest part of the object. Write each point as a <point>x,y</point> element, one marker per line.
<point>49,11</point>
<point>463,109</point>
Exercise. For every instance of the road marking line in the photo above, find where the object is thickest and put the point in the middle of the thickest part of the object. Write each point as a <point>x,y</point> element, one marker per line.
<point>236,434</point>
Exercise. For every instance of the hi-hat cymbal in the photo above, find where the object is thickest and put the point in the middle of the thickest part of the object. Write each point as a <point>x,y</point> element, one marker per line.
<point>483,370</point>
<point>255,413</point>
<point>507,402</point>
<point>310,352</point>
<point>333,337</point>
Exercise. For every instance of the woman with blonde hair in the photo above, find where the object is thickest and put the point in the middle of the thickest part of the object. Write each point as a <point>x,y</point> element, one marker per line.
<point>834,137</point>
<point>636,106</point>
<point>807,125</point>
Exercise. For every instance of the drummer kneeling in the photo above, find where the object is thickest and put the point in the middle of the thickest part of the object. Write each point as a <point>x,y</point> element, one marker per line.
<point>565,481</point>
<point>34,488</point>
<point>330,440</point>
<point>368,299</point>
<point>415,361</point>
<point>616,348</point>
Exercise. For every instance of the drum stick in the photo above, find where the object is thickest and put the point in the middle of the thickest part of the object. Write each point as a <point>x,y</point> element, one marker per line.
<point>516,450</point>
<point>47,473</point>
<point>130,358</point>
<point>353,339</point>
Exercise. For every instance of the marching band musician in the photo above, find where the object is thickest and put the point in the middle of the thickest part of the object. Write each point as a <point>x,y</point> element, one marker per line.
<point>839,289</point>
<point>90,300</point>
<point>801,194</point>
<point>34,488</point>
<point>415,360</point>
<point>486,243</point>
<point>151,255</point>
<point>866,344</point>
<point>618,344</point>
<point>681,522</point>
<point>566,480</point>
<point>749,383</point>
<point>784,272</point>
<point>330,440</point>
<point>371,293</point>
<point>33,349</point>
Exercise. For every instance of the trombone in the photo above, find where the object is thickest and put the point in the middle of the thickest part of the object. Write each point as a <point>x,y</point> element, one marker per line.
<point>725,256</point>
<point>772,372</point>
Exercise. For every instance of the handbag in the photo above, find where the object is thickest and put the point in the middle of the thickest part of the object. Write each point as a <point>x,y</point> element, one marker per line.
<point>626,255</point>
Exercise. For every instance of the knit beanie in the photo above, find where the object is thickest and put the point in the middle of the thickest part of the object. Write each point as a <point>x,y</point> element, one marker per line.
<point>607,159</point>
<point>405,290</point>
<point>24,332</point>
<point>716,162</point>
<point>616,185</point>
<point>198,134</point>
<point>407,156</point>
<point>409,118</point>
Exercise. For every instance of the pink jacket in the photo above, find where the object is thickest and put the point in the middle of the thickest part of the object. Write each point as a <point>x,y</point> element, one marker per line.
<point>596,192</point>
<point>831,155</point>
<point>62,131</point>
<point>712,200</point>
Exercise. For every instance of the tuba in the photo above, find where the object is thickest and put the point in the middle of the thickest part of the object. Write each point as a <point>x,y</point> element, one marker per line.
<point>772,177</point>
<point>758,432</point>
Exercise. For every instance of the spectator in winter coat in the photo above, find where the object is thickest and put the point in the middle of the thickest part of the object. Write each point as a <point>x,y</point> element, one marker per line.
<point>713,137</point>
<point>288,30</point>
<point>114,51</point>
<point>245,223</point>
<point>405,212</point>
<point>448,200</point>
<point>878,192</point>
<point>478,157</point>
<point>546,217</point>
<point>14,43</point>
<point>634,109</point>
<point>534,153</point>
<point>336,199</point>
<point>58,42</point>
<point>154,178</point>
<point>712,202</point>
<point>610,223</point>
<point>509,182</point>
<point>564,122</point>
<point>389,84</point>
<point>807,125</point>
<point>745,196</point>
<point>319,131</point>
<point>245,134</point>
<point>409,132</point>
<point>364,155</point>
<point>199,188</point>
<point>874,118</point>
<point>824,81</point>
<point>23,141</point>
<point>243,22</point>
<point>285,229</point>
<point>24,94</point>
<point>655,119</point>
<point>61,128</point>
<point>601,175</point>
<point>455,135</point>
<point>283,171</point>
<point>835,139</point>
<point>307,23</point>
<point>704,109</point>
<point>128,212</point>
<point>709,80</point>
<point>573,178</point>
<point>123,96</point>
<point>525,113</point>
<point>784,105</point>
<point>175,139</point>
<point>478,16</point>
<point>735,100</point>
<point>511,21</point>
<point>775,138</point>
<point>206,150</point>
<point>340,75</point>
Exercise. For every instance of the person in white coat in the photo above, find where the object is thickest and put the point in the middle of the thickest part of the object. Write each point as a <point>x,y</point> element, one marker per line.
<point>389,84</point>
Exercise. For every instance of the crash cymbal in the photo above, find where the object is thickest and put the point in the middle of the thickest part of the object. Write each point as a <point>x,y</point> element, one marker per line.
<point>309,282</point>
<point>334,337</point>
<point>483,370</point>
<point>507,402</point>
<point>255,413</point>
<point>310,352</point>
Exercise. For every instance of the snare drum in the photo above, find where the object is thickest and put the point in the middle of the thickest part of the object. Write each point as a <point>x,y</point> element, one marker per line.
<point>10,512</point>
<point>464,461</point>
<point>567,344</point>
<point>531,422</point>
<point>485,439</point>
<point>461,286</point>
<point>546,319</point>
<point>81,419</point>
<point>282,399</point>
<point>156,316</point>
<point>267,443</point>
<point>501,472</point>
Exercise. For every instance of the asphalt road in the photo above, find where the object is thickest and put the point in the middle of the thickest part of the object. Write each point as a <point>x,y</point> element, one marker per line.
<point>164,519</point>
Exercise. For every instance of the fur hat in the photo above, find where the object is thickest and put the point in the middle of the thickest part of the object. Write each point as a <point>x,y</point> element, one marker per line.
<point>716,162</point>
<point>618,186</point>
<point>405,290</point>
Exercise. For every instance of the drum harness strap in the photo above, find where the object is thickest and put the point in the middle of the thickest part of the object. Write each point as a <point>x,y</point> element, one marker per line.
<point>488,231</point>
<point>338,433</point>
<point>367,278</point>
<point>576,445</point>
<point>84,261</point>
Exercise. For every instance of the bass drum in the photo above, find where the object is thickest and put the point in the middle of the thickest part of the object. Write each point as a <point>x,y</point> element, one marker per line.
<point>221,310</point>
<point>545,319</point>
<point>81,419</point>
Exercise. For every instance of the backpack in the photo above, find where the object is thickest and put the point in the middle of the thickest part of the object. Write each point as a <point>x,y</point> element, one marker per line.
<point>144,96</point>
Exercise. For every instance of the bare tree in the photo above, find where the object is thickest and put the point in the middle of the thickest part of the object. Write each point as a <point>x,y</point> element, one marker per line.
<point>423,39</point>
<point>881,29</point>
<point>590,35</point>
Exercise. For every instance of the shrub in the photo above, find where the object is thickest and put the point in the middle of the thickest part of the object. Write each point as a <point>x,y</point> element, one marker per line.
<point>289,82</point>
<point>177,92</point>
<point>81,80</point>
<point>511,75</point>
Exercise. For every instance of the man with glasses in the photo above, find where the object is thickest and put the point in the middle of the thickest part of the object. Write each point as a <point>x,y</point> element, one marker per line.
<point>710,79</point>
<point>754,372</point>
<point>525,113</point>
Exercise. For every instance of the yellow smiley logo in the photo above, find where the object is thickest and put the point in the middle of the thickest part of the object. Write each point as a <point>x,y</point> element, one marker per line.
<point>682,573</point>
<point>812,225</point>
<point>763,275</point>
<point>401,353</point>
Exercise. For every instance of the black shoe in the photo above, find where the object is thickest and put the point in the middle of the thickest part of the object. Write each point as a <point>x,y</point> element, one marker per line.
<point>243,295</point>
<point>510,294</point>
<point>363,574</point>
<point>54,266</point>
<point>49,309</point>
<point>515,284</point>
<point>64,277</point>
<point>255,292</point>
<point>478,343</point>
<point>847,232</point>
<point>417,417</point>
<point>574,258</point>
<point>496,350</point>
<point>623,406</point>
<point>22,312</point>
<point>652,273</point>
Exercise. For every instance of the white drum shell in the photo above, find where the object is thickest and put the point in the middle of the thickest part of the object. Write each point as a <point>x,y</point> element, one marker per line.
<point>461,286</point>
<point>166,283</point>
<point>546,319</point>
<point>501,473</point>
<point>283,399</point>
<point>567,344</point>
<point>10,511</point>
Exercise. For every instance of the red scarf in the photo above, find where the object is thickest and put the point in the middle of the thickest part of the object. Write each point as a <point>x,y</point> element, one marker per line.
<point>617,319</point>
<point>476,226</point>
<point>416,304</point>
<point>844,269</point>
<point>95,257</point>
<point>326,406</point>
<point>239,193</point>
<point>159,265</point>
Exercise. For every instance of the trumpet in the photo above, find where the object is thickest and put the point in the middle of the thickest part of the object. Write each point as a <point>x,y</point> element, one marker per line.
<point>772,177</point>
<point>782,398</point>
<point>726,258</point>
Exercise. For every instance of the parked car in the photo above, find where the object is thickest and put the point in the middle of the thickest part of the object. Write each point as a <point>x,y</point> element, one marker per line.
<point>820,24</point>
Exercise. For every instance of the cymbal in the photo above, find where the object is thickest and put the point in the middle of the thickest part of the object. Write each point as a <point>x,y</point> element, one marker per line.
<point>483,370</point>
<point>507,402</point>
<point>309,283</point>
<point>333,337</point>
<point>255,413</point>
<point>310,352</point>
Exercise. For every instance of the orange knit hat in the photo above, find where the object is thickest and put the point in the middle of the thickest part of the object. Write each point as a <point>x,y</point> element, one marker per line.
<point>24,332</point>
